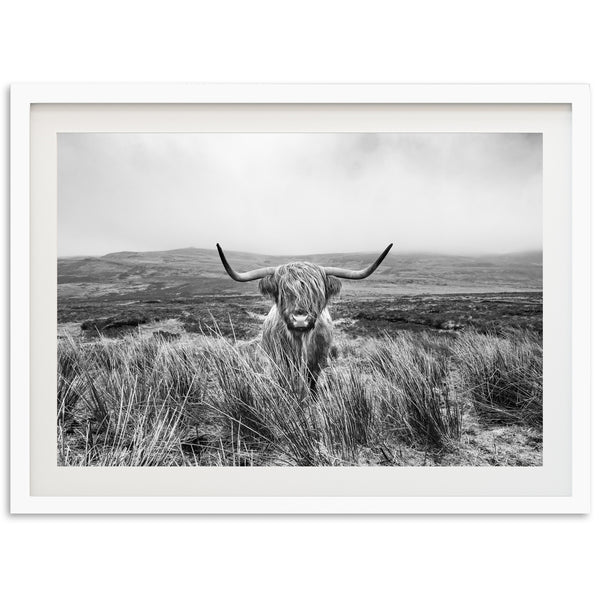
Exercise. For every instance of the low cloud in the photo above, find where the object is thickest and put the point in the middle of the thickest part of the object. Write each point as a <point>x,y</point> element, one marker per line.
<point>300,193</point>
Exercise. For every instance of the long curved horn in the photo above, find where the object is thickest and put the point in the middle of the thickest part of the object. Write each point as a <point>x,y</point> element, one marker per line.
<point>248,275</point>
<point>350,274</point>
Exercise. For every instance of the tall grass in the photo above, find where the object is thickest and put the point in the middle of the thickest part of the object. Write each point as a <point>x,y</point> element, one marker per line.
<point>129,398</point>
<point>350,416</point>
<point>210,401</point>
<point>268,413</point>
<point>503,376</point>
<point>417,399</point>
<point>67,393</point>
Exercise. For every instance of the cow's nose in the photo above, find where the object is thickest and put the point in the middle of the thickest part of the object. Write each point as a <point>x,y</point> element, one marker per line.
<point>300,319</point>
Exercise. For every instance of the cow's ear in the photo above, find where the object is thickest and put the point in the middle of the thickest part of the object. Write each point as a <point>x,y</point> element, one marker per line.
<point>332,286</point>
<point>268,286</point>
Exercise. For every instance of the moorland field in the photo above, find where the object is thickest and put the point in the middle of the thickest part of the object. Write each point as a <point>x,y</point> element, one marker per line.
<point>438,362</point>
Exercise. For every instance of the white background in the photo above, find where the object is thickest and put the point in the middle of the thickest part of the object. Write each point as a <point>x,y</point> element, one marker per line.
<point>288,557</point>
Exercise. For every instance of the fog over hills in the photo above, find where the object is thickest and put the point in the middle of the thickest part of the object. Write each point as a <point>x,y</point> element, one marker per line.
<point>195,271</point>
<point>300,192</point>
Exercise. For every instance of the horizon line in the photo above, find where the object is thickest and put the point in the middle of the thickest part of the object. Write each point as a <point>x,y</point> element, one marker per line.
<point>318,253</point>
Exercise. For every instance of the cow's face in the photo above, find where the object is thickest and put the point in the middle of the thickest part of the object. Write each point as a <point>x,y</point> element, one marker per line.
<point>301,291</point>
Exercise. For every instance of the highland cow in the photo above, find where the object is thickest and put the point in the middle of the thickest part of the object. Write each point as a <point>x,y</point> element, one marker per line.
<point>298,331</point>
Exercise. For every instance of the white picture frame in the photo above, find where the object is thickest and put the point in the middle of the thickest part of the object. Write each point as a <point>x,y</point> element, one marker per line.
<point>474,102</point>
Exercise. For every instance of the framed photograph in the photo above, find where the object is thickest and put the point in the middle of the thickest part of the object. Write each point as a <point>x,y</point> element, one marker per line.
<point>300,298</point>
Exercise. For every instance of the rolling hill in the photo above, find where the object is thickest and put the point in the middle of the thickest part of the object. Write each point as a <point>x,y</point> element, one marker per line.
<point>193,271</point>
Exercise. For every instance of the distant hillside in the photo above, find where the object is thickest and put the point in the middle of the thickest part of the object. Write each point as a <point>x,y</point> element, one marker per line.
<point>189,272</point>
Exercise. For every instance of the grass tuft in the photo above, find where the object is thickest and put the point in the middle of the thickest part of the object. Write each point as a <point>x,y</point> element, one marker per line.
<point>503,376</point>
<point>417,396</point>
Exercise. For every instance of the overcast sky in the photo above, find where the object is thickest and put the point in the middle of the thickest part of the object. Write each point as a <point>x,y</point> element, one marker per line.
<point>299,193</point>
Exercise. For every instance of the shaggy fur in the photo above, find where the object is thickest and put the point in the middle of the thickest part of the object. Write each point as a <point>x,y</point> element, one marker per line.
<point>299,289</point>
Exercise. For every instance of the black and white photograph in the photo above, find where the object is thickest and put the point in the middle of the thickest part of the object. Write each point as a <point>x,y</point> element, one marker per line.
<point>300,299</point>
